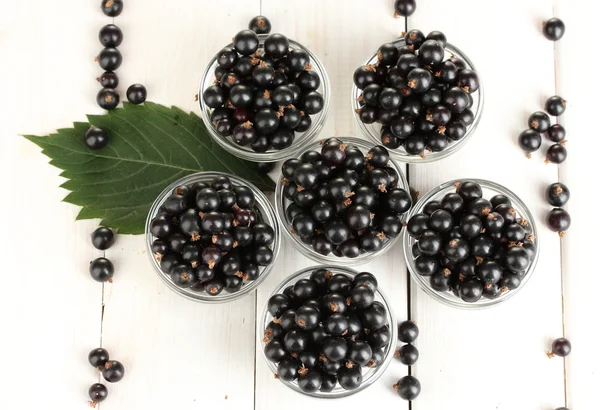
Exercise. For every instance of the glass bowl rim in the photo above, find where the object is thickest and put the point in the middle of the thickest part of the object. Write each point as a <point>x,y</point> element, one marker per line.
<point>448,298</point>
<point>379,370</point>
<point>268,215</point>
<point>365,257</point>
<point>432,156</point>
<point>273,155</point>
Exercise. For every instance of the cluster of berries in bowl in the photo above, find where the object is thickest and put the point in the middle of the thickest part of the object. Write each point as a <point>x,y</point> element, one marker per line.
<point>328,331</point>
<point>342,199</point>
<point>419,96</point>
<point>471,243</point>
<point>264,96</point>
<point>212,237</point>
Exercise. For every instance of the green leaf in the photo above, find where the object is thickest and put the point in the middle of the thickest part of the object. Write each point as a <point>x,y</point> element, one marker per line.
<point>150,146</point>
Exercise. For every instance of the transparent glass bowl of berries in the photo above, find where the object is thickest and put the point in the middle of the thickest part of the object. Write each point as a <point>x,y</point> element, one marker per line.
<point>212,237</point>
<point>419,96</point>
<point>342,201</point>
<point>264,97</point>
<point>328,331</point>
<point>471,243</point>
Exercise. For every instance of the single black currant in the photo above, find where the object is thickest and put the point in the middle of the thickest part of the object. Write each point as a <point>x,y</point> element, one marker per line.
<point>553,29</point>
<point>113,371</point>
<point>136,94</point>
<point>408,387</point>
<point>101,270</point>
<point>559,221</point>
<point>260,25</point>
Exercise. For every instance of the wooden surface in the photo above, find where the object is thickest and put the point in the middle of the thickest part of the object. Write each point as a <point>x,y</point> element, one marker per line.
<point>182,355</point>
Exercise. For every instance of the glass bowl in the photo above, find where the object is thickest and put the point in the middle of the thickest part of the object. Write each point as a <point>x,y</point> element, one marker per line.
<point>265,211</point>
<point>370,375</point>
<point>372,131</point>
<point>300,139</point>
<point>281,203</point>
<point>489,189</point>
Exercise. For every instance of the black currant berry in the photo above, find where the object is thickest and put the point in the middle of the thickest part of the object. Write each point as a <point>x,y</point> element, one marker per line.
<point>553,29</point>
<point>97,393</point>
<point>245,42</point>
<point>334,348</point>
<point>561,347</point>
<point>103,238</point>
<point>108,79</point>
<point>408,331</point>
<point>101,270</point>
<point>431,53</point>
<point>408,355</point>
<point>98,357</point>
<point>136,94</point>
<point>110,36</point>
<point>559,221</point>
<point>556,154</point>
<point>276,45</point>
<point>404,8</point>
<point>113,371</point>
<point>260,25</point>
<point>471,290</point>
<point>307,318</point>
<point>275,351</point>
<point>110,59</point>
<point>309,381</point>
<point>556,133</point>
<point>408,387</point>
<point>530,141</point>
<point>107,98</point>
<point>350,377</point>
<point>558,194</point>
<point>95,138</point>
<point>112,8</point>
<point>539,121</point>
<point>555,105</point>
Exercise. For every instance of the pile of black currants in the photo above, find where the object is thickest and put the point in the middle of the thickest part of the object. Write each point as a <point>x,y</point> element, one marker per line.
<point>262,97</point>
<point>558,219</point>
<point>112,371</point>
<point>325,329</point>
<point>421,99</point>
<point>539,123</point>
<point>470,245</point>
<point>343,201</point>
<point>408,387</point>
<point>210,237</point>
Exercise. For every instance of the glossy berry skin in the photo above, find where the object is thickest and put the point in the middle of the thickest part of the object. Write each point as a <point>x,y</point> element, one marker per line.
<point>98,357</point>
<point>307,317</point>
<point>530,140</point>
<point>556,133</point>
<point>136,94</point>
<point>113,371</point>
<point>310,382</point>
<point>408,387</point>
<point>558,194</point>
<point>108,79</point>
<point>276,45</point>
<point>408,331</point>
<point>96,138</point>
<point>110,36</point>
<point>101,270</point>
<point>97,393</point>
<point>112,8</point>
<point>556,154</point>
<point>404,8</point>
<point>408,355</point>
<point>107,99</point>
<point>471,290</point>
<point>103,238</point>
<point>110,59</point>
<point>539,121</point>
<point>245,42</point>
<point>553,29</point>
<point>561,347</point>
<point>559,221</point>
<point>350,378</point>
<point>555,105</point>
<point>260,25</point>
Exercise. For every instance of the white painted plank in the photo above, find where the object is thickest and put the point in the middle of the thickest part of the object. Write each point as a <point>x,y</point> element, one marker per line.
<point>494,359</point>
<point>50,307</point>
<point>578,173</point>
<point>343,37</point>
<point>178,354</point>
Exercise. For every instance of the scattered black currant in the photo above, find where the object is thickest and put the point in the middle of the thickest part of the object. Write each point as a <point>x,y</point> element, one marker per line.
<point>96,138</point>
<point>408,332</point>
<point>556,154</point>
<point>110,59</point>
<point>107,98</point>
<point>112,8</point>
<point>558,194</point>
<point>530,141</point>
<point>539,121</point>
<point>108,79</point>
<point>553,29</point>
<point>559,221</point>
<point>101,270</point>
<point>260,25</point>
<point>136,94</point>
<point>98,357</point>
<point>103,238</point>
<point>561,347</point>
<point>404,8</point>
<point>97,393</point>
<point>113,371</point>
<point>408,355</point>
<point>556,133</point>
<point>110,36</point>
<point>408,387</point>
<point>556,105</point>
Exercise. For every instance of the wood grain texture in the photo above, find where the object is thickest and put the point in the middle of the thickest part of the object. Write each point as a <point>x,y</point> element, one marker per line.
<point>578,172</point>
<point>49,307</point>
<point>487,360</point>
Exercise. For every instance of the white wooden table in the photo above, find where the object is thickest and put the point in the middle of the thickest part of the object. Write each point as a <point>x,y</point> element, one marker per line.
<point>181,355</point>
